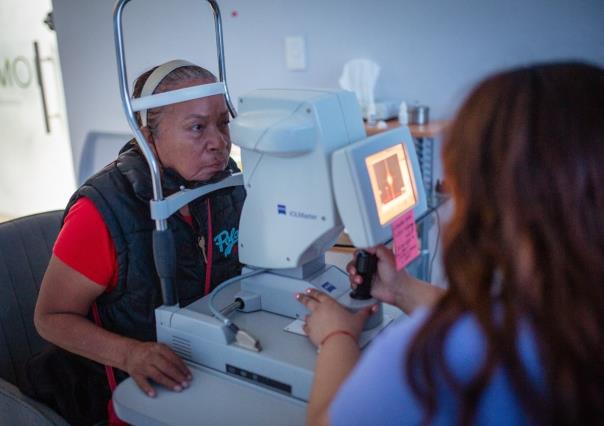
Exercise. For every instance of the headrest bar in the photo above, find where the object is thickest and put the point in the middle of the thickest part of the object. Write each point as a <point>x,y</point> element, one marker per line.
<point>176,96</point>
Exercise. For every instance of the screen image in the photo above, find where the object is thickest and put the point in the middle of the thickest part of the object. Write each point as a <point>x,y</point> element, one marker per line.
<point>392,182</point>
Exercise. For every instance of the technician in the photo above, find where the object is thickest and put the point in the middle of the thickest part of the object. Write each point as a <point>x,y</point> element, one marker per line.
<point>517,338</point>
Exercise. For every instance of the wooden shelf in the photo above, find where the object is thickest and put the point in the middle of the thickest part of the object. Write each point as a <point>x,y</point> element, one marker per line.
<point>430,130</point>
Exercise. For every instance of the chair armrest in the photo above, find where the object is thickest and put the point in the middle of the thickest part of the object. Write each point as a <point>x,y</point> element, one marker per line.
<point>19,409</point>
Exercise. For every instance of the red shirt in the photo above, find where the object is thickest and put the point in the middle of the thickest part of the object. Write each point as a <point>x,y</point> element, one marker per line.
<point>84,244</point>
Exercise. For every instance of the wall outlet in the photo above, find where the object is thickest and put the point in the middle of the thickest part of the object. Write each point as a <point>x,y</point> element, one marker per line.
<point>295,53</point>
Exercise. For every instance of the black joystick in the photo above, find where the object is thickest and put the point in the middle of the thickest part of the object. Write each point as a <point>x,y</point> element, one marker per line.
<point>366,265</point>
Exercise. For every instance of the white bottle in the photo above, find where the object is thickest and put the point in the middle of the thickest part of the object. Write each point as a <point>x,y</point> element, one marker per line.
<point>371,115</point>
<point>403,114</point>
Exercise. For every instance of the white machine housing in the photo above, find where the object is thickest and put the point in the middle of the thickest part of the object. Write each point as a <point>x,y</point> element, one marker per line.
<point>290,140</point>
<point>286,139</point>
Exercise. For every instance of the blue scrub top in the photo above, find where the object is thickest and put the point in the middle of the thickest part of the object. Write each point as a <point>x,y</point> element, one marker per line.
<point>377,392</point>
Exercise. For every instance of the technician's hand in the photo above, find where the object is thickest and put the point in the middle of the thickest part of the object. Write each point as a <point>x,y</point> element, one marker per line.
<point>397,288</point>
<point>327,316</point>
<point>387,282</point>
<point>156,361</point>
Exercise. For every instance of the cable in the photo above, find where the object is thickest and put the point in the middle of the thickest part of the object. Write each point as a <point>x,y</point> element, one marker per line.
<point>435,245</point>
<point>221,287</point>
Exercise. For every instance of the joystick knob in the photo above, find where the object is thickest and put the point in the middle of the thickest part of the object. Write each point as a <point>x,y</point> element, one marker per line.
<point>366,265</point>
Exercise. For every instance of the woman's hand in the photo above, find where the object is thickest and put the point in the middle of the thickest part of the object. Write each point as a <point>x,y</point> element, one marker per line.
<point>394,287</point>
<point>327,316</point>
<point>156,361</point>
<point>387,281</point>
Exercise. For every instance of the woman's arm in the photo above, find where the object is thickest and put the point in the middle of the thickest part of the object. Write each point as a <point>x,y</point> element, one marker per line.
<point>65,299</point>
<point>335,361</point>
<point>412,293</point>
<point>335,331</point>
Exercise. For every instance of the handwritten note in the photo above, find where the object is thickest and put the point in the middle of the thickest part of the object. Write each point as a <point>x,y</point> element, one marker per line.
<point>406,246</point>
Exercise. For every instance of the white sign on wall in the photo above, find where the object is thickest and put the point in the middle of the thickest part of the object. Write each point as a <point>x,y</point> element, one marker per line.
<point>36,171</point>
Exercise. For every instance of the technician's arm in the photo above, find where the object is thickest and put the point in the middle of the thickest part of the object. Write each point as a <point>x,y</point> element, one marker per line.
<point>396,287</point>
<point>334,364</point>
<point>336,331</point>
<point>65,299</point>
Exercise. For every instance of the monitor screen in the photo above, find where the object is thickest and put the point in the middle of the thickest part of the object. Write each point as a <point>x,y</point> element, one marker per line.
<point>377,180</point>
<point>391,177</point>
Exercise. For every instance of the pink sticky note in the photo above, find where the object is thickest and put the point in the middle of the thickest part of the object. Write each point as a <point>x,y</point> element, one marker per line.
<point>406,246</point>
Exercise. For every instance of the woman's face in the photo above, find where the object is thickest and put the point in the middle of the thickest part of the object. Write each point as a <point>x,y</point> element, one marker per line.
<point>193,137</point>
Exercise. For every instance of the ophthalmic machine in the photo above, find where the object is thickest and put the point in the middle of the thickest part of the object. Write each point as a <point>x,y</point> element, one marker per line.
<point>309,172</point>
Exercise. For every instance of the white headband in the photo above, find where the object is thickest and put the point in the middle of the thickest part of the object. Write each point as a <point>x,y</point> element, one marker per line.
<point>155,79</point>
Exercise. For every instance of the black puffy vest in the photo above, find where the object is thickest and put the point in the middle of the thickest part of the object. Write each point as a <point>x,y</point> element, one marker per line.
<point>77,387</point>
<point>121,192</point>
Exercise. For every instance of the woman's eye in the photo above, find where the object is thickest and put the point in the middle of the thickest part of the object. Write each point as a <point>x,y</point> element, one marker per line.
<point>225,123</point>
<point>197,127</point>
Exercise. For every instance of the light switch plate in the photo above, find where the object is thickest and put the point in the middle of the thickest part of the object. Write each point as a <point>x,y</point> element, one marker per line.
<point>295,53</point>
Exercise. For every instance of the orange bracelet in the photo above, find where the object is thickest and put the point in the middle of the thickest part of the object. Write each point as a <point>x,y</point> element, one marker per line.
<point>334,333</point>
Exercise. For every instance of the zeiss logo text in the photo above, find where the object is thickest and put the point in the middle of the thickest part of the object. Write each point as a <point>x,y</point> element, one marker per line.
<point>281,209</point>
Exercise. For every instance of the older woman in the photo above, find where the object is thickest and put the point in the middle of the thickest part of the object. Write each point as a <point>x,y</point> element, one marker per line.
<point>518,337</point>
<point>98,296</point>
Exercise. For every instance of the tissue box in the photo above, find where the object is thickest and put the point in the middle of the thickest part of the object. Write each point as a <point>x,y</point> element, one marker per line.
<point>384,110</point>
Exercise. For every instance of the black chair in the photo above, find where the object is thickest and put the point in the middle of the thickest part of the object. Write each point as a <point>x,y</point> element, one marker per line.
<point>25,250</point>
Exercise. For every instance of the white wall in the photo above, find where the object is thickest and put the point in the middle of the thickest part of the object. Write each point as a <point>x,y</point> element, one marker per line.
<point>432,51</point>
<point>36,172</point>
